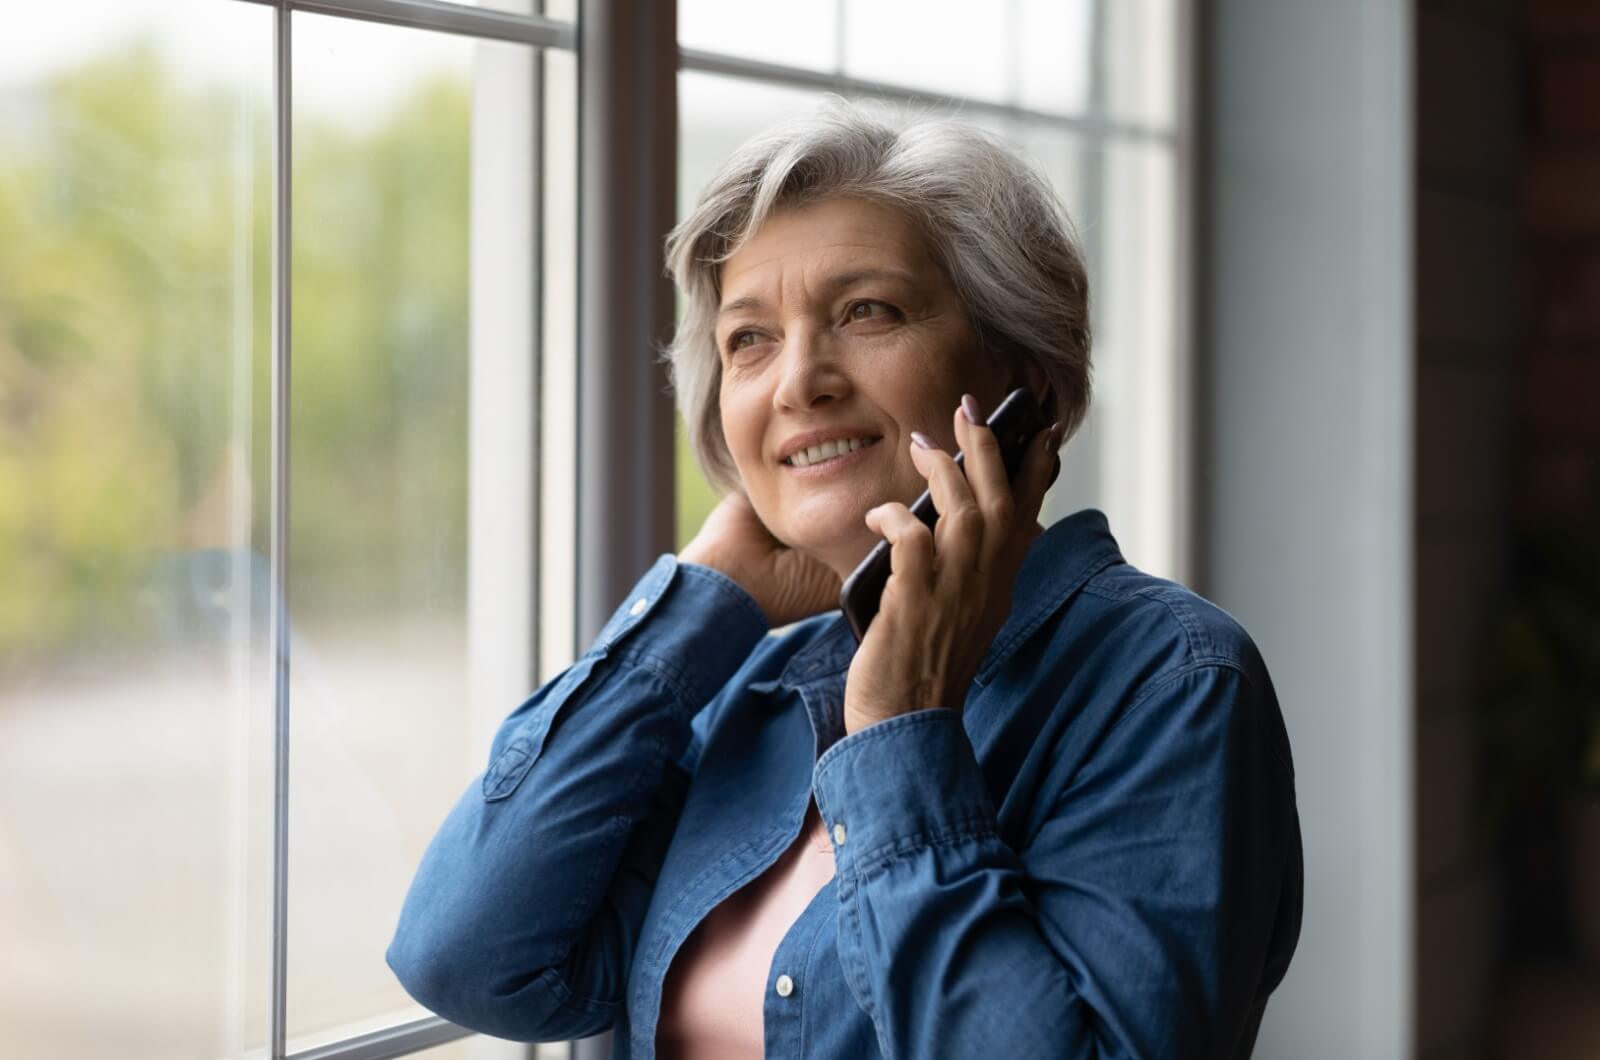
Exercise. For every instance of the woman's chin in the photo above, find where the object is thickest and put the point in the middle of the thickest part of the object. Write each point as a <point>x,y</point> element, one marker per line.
<point>842,550</point>
<point>833,529</point>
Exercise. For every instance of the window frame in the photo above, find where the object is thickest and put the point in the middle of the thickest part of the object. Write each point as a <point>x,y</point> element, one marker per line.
<point>536,31</point>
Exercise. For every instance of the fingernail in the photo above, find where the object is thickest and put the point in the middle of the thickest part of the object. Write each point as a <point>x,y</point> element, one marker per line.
<point>969,406</point>
<point>923,440</point>
<point>1052,441</point>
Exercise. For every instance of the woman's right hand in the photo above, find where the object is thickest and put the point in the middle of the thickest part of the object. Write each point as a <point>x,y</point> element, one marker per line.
<point>788,584</point>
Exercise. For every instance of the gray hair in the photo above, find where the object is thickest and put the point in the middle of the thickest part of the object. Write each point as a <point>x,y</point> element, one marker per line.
<point>995,227</point>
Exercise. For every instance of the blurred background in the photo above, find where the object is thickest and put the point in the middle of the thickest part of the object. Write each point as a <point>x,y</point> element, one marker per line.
<point>1345,270</point>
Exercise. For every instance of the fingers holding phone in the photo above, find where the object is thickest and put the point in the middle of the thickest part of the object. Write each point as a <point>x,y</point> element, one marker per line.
<point>1008,492</point>
<point>948,588</point>
<point>1006,436</point>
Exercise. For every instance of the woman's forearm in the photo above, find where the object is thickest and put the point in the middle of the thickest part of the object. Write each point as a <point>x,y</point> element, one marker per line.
<point>1135,921</point>
<point>523,915</point>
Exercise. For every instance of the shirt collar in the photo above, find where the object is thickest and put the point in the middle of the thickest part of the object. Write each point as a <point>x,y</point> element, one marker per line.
<point>1059,562</point>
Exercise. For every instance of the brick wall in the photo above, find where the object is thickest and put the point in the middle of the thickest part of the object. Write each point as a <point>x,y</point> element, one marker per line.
<point>1558,427</point>
<point>1508,417</point>
<point>1468,321</point>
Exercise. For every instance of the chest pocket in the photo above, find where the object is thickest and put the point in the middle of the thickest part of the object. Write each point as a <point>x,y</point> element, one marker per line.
<point>522,735</point>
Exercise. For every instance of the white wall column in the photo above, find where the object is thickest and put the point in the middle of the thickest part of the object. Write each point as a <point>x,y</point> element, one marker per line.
<point>1306,537</point>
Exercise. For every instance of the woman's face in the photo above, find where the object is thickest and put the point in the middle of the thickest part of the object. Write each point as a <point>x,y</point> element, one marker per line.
<point>837,326</point>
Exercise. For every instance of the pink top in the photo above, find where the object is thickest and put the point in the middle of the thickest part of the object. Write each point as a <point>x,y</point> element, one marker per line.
<point>712,1000</point>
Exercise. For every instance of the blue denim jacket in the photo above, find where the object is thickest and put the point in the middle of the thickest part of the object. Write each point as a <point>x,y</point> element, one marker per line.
<point>1098,856</point>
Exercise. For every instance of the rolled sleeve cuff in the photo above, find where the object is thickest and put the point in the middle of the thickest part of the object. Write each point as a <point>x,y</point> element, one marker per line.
<point>898,786</point>
<point>692,625</point>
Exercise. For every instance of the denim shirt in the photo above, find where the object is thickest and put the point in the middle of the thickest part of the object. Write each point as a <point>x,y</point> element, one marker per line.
<point>1097,855</point>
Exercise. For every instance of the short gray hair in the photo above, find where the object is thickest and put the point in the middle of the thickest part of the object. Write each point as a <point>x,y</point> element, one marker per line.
<point>994,225</point>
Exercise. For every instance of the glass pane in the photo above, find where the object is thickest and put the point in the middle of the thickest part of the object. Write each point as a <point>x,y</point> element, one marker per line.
<point>805,35</point>
<point>1124,460</point>
<point>412,542</point>
<point>1074,167</point>
<point>1054,57</point>
<point>1141,61</point>
<point>717,115</point>
<point>135,784</point>
<point>947,46</point>
<point>560,10</point>
<point>1036,53</point>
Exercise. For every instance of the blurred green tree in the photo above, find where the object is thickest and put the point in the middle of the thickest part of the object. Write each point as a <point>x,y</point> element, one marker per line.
<point>135,221</point>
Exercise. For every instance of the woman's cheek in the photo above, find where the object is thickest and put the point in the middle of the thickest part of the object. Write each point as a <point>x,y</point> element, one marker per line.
<point>737,428</point>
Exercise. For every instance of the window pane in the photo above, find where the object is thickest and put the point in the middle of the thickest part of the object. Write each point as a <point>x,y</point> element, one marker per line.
<point>1074,166</point>
<point>1036,53</point>
<point>773,31</point>
<point>948,46</point>
<point>1054,56</point>
<point>135,785</point>
<point>411,535</point>
<point>1124,459</point>
<point>1137,351</point>
<point>1141,61</point>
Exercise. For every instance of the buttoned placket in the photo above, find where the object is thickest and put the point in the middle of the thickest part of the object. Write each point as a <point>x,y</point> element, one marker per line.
<point>794,965</point>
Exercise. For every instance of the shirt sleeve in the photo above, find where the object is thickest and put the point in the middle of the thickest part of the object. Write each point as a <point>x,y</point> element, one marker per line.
<point>522,919</point>
<point>1138,920</point>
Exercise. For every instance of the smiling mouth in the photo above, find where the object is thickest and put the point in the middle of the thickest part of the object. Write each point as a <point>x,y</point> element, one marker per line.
<point>821,454</point>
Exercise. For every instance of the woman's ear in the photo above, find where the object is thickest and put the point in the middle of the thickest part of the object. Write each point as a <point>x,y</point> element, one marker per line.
<point>1029,373</point>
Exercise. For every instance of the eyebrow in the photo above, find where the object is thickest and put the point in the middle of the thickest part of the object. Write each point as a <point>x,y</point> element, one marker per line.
<point>832,285</point>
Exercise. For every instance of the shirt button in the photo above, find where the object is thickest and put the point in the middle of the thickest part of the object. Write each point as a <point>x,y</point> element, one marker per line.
<point>638,607</point>
<point>838,835</point>
<point>785,986</point>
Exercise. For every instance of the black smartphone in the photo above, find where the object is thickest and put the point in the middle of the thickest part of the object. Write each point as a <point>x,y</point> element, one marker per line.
<point>1014,423</point>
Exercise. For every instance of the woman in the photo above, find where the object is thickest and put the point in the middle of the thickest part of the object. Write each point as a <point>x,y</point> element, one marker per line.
<point>1046,808</point>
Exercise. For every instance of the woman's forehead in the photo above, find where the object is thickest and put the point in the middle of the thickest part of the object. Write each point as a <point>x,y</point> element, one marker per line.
<point>825,246</point>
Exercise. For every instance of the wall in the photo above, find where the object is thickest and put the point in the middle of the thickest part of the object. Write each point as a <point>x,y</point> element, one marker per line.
<point>1467,314</point>
<point>1558,426</point>
<point>1306,474</point>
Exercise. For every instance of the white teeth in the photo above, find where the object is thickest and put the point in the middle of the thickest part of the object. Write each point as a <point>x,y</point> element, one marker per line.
<point>816,454</point>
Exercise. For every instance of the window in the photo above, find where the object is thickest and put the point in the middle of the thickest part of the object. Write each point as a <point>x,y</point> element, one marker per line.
<point>1086,90</point>
<point>422,523</point>
<point>430,210</point>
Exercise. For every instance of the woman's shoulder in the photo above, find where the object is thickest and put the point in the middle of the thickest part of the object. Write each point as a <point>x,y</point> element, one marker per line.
<point>1172,618</point>
<point>1124,637</point>
<point>1078,592</point>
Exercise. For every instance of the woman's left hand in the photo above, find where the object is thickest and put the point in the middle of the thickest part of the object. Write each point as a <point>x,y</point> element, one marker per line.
<point>950,587</point>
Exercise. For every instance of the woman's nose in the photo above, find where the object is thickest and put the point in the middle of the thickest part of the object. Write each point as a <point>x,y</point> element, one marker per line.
<point>811,373</point>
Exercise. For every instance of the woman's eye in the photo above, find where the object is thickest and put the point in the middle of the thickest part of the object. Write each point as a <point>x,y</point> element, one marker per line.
<point>740,339</point>
<point>868,310</point>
